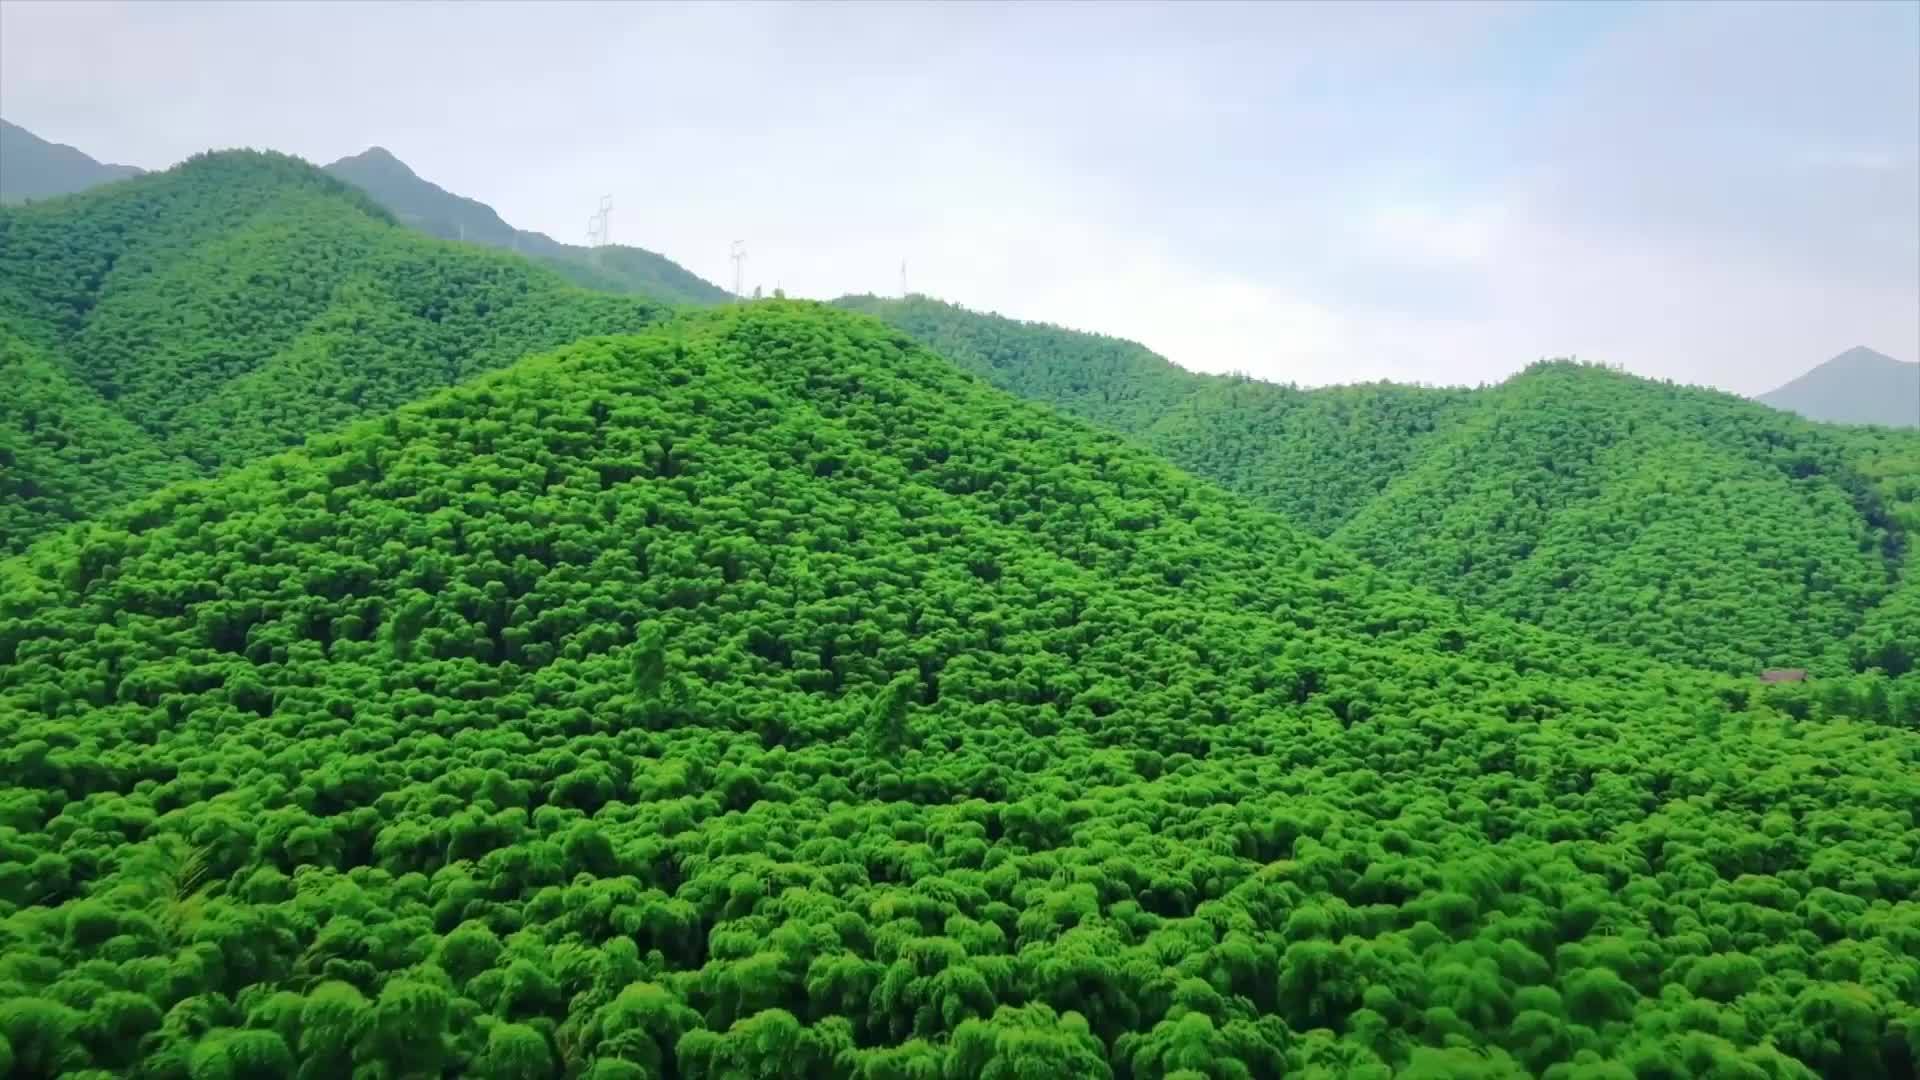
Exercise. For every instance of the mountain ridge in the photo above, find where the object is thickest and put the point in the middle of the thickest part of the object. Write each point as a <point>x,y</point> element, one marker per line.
<point>433,209</point>
<point>35,168</point>
<point>1555,495</point>
<point>1859,386</point>
<point>232,306</point>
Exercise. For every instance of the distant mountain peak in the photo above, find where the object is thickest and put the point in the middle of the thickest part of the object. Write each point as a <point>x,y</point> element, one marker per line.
<point>35,168</point>
<point>378,160</point>
<point>1860,354</point>
<point>427,206</point>
<point>1859,386</point>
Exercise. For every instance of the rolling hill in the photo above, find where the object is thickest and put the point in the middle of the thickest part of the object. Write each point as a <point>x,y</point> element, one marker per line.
<point>33,168</point>
<point>1683,522</point>
<point>1117,384</point>
<point>1859,386</point>
<point>761,696</point>
<point>187,321</point>
<point>432,209</point>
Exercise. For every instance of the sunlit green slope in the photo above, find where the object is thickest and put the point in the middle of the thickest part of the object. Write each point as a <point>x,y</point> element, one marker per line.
<point>1693,525</point>
<point>233,306</point>
<point>1317,456</point>
<point>64,454</point>
<point>1696,526</point>
<point>761,696</point>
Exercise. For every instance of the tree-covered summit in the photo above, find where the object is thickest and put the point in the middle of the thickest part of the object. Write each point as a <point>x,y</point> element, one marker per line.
<point>1690,524</point>
<point>761,696</point>
<point>183,322</point>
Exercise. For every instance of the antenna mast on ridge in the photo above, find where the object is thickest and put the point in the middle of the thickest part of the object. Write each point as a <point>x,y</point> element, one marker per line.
<point>903,279</point>
<point>739,257</point>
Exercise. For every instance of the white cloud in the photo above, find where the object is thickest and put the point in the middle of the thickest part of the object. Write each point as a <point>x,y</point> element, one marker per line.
<point>1431,234</point>
<point>1722,193</point>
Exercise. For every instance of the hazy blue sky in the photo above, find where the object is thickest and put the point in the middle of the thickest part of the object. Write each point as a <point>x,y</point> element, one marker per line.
<point>1718,193</point>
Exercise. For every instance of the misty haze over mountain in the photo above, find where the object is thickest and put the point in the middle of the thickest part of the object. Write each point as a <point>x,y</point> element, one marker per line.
<point>1320,193</point>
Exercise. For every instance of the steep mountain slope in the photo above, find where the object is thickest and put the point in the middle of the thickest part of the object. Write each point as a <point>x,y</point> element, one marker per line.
<point>1684,522</point>
<point>431,208</point>
<point>33,168</point>
<point>231,307</point>
<point>65,455</point>
<point>1859,386</point>
<point>760,696</point>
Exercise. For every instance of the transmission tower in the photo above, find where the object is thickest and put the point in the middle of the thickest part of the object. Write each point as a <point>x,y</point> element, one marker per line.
<point>903,279</point>
<point>739,257</point>
<point>598,229</point>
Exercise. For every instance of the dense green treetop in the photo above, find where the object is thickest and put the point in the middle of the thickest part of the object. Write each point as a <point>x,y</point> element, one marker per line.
<point>1687,523</point>
<point>231,307</point>
<point>1317,456</point>
<point>64,454</point>
<point>1692,525</point>
<point>761,696</point>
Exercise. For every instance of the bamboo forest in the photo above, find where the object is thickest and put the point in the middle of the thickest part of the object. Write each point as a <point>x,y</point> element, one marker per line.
<point>421,657</point>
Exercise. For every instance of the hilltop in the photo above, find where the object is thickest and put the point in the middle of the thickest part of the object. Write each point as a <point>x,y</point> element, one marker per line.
<point>424,205</point>
<point>760,695</point>
<point>1117,384</point>
<point>33,168</point>
<point>1859,386</point>
<point>184,322</point>
<point>1683,522</point>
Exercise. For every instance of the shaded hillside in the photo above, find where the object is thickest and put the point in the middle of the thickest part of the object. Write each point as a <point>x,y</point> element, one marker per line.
<point>33,168</point>
<point>231,307</point>
<point>762,697</point>
<point>431,208</point>
<point>1688,523</point>
<point>1317,456</point>
<point>1859,386</point>
<point>1117,384</point>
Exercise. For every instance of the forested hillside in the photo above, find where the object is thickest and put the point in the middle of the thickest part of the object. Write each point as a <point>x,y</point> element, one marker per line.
<point>33,168</point>
<point>1686,523</point>
<point>760,696</point>
<point>1317,456</point>
<point>1693,525</point>
<point>1117,384</point>
<point>187,321</point>
<point>432,209</point>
